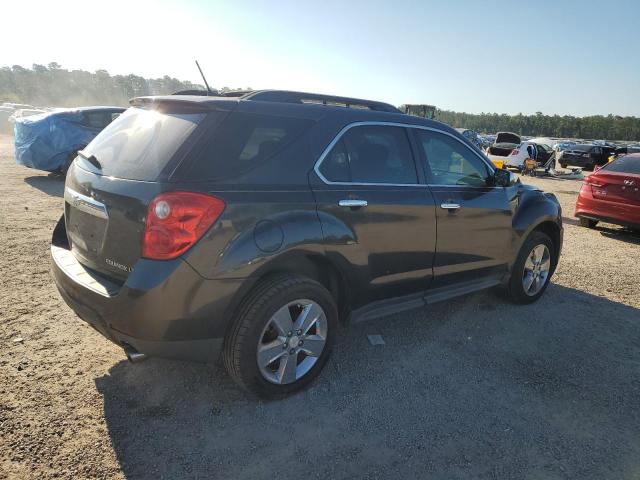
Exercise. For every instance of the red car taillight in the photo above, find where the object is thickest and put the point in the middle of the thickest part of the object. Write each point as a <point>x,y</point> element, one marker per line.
<point>175,221</point>
<point>515,151</point>
<point>594,182</point>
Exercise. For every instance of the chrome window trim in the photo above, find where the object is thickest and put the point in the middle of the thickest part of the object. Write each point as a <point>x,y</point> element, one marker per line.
<point>346,128</point>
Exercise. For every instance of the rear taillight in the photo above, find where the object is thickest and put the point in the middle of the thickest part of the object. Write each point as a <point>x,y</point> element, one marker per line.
<point>594,182</point>
<point>515,151</point>
<point>175,221</point>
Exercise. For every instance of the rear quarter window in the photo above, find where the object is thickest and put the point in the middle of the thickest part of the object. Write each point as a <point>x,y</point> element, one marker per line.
<point>241,142</point>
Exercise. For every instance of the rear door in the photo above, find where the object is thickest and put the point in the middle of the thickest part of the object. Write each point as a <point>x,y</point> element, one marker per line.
<point>378,217</point>
<point>474,218</point>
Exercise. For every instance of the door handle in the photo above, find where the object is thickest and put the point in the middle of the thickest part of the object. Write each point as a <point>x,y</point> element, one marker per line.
<point>450,206</point>
<point>353,203</point>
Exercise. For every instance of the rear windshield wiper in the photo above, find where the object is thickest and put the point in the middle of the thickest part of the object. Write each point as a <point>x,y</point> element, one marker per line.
<point>91,159</point>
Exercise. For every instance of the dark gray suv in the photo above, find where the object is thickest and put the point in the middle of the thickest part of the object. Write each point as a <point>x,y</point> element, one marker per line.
<point>249,225</point>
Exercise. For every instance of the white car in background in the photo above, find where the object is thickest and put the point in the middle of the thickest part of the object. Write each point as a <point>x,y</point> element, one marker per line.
<point>509,151</point>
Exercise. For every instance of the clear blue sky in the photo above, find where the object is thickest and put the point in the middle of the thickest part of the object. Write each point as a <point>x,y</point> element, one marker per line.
<point>573,57</point>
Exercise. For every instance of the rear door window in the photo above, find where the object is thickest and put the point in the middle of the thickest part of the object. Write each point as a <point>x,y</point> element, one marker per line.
<point>450,162</point>
<point>139,144</point>
<point>241,142</point>
<point>371,154</point>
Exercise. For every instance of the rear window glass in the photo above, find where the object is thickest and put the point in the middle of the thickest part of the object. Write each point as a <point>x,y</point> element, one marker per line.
<point>241,142</point>
<point>371,154</point>
<point>627,164</point>
<point>140,142</point>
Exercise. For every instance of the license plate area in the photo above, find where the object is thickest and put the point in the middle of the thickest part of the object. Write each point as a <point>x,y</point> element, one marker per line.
<point>86,221</point>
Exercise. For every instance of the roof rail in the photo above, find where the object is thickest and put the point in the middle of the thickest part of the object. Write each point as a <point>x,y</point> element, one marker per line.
<point>283,96</point>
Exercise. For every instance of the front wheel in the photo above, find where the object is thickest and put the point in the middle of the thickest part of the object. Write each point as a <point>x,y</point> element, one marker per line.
<point>532,270</point>
<point>282,336</point>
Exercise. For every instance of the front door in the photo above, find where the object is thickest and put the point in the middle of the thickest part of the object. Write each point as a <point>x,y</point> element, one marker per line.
<point>377,215</point>
<point>474,218</point>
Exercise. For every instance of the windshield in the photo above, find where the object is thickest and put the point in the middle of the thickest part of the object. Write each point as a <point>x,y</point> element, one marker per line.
<point>139,144</point>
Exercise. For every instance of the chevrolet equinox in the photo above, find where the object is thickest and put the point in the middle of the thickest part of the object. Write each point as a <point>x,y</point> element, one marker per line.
<point>248,225</point>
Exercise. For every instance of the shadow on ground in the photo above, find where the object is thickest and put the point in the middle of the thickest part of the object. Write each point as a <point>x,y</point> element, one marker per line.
<point>52,184</point>
<point>621,234</point>
<point>473,388</point>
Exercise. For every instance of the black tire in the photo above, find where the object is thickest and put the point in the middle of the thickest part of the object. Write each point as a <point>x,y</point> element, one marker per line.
<point>514,288</point>
<point>588,223</point>
<point>254,313</point>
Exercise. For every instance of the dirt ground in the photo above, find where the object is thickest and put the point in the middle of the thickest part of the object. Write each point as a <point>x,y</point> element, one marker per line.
<point>470,388</point>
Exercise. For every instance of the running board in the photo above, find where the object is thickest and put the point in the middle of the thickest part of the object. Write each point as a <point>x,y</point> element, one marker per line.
<point>445,293</point>
<point>387,307</point>
<point>383,308</point>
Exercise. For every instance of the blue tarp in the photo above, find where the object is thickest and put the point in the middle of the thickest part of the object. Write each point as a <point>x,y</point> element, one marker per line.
<point>47,141</point>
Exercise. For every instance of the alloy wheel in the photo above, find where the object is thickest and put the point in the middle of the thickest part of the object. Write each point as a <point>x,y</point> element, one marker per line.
<point>536,270</point>
<point>292,341</point>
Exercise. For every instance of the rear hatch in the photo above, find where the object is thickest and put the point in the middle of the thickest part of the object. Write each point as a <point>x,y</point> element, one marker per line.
<point>112,181</point>
<point>508,137</point>
<point>505,143</point>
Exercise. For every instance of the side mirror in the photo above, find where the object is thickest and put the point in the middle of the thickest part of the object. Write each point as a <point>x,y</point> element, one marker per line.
<point>504,178</point>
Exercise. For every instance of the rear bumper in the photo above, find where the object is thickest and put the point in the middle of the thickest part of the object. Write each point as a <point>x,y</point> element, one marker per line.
<point>164,309</point>
<point>611,212</point>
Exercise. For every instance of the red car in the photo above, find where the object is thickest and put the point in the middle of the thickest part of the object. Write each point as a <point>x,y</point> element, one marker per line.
<point>612,194</point>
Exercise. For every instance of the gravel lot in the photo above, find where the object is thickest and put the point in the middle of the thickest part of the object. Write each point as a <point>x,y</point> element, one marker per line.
<point>471,388</point>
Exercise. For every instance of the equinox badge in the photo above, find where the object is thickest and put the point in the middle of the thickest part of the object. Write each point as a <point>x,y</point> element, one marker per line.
<point>115,264</point>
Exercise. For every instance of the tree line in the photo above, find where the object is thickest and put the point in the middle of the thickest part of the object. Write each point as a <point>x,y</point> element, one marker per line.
<point>596,127</point>
<point>54,86</point>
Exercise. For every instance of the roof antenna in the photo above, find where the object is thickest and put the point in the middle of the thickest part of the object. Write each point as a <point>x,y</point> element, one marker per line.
<point>209,91</point>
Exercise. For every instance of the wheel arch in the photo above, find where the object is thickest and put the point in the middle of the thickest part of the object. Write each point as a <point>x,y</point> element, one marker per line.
<point>307,264</point>
<point>552,230</point>
<point>550,227</point>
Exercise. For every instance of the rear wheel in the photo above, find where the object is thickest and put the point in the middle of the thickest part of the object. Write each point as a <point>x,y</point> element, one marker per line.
<point>282,336</point>
<point>532,270</point>
<point>588,223</point>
